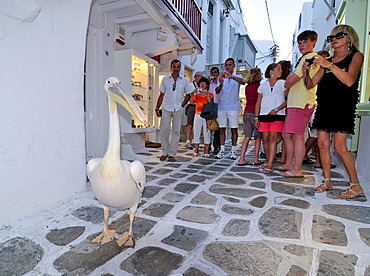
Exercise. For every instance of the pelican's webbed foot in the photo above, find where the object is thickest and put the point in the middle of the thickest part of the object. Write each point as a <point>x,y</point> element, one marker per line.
<point>104,237</point>
<point>126,239</point>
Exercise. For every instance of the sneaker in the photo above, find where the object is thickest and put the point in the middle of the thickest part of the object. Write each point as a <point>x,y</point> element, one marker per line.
<point>233,155</point>
<point>191,146</point>
<point>220,155</point>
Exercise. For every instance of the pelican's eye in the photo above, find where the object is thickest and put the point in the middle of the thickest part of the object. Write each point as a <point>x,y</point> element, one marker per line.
<point>109,81</point>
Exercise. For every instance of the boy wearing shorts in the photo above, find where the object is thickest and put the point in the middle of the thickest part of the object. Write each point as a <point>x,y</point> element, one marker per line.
<point>300,106</point>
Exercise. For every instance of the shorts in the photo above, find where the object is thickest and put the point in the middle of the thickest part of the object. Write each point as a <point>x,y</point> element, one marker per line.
<point>231,116</point>
<point>190,113</point>
<point>249,128</point>
<point>276,126</point>
<point>296,119</point>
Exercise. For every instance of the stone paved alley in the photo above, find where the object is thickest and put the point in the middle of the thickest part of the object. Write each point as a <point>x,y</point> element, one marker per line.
<point>202,216</point>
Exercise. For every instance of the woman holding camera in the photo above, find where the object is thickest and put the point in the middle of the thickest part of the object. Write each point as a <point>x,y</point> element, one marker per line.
<point>337,96</point>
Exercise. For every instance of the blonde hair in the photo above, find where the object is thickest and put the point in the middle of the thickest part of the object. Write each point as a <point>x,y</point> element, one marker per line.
<point>254,76</point>
<point>352,35</point>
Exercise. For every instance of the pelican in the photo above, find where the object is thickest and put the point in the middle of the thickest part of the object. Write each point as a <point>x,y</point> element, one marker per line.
<point>117,183</point>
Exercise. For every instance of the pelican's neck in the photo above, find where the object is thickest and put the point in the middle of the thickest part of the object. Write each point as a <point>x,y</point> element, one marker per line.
<point>114,140</point>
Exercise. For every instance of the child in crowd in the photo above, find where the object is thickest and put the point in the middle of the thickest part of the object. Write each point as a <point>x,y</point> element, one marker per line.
<point>270,112</point>
<point>301,104</point>
<point>253,80</point>
<point>200,123</point>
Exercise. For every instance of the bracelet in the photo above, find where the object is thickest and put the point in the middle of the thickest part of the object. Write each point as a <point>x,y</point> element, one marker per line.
<point>256,117</point>
<point>276,109</point>
<point>331,65</point>
<point>157,108</point>
<point>220,85</point>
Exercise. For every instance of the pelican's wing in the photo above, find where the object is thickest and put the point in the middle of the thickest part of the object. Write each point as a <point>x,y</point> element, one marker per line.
<point>137,171</point>
<point>91,165</point>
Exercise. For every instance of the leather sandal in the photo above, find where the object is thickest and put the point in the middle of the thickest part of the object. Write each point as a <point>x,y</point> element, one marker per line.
<point>352,194</point>
<point>323,187</point>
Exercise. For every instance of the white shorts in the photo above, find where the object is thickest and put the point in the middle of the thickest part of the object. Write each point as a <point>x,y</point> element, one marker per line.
<point>231,116</point>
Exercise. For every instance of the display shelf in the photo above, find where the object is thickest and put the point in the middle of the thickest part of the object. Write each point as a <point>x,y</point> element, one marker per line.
<point>140,75</point>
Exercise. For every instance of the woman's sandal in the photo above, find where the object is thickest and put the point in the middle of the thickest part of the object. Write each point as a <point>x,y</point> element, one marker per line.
<point>322,188</point>
<point>352,194</point>
<point>195,154</point>
<point>280,168</point>
<point>206,155</point>
<point>267,168</point>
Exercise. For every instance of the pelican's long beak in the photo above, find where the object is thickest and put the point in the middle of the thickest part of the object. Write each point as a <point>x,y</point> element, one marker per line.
<point>127,102</point>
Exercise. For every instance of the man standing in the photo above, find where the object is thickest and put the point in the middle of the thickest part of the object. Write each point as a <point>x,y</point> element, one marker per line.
<point>190,110</point>
<point>300,106</point>
<point>229,106</point>
<point>171,98</point>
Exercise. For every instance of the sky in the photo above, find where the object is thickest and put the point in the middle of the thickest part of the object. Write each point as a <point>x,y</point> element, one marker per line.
<point>284,16</point>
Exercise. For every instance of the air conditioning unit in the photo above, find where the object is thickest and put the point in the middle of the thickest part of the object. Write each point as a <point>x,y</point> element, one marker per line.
<point>120,32</point>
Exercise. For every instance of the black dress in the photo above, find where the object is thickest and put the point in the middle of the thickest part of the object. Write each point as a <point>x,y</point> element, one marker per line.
<point>336,102</point>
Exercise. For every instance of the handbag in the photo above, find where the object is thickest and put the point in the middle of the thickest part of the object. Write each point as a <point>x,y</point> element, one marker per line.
<point>212,124</point>
<point>210,110</point>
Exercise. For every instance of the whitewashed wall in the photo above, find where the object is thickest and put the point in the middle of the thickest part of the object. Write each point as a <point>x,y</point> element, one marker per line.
<point>306,24</point>
<point>42,142</point>
<point>322,22</point>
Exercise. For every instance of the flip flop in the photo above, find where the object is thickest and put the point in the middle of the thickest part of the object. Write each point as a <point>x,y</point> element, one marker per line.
<point>256,164</point>
<point>290,175</point>
<point>320,167</point>
<point>266,170</point>
<point>280,168</point>
<point>244,164</point>
<point>308,161</point>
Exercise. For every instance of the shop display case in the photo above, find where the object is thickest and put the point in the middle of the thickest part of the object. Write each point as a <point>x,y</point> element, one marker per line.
<point>138,75</point>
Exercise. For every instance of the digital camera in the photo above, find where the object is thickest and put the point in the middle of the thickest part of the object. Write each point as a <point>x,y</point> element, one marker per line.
<point>310,60</point>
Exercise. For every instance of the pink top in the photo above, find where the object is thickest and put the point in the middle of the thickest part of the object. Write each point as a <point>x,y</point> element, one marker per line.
<point>251,96</point>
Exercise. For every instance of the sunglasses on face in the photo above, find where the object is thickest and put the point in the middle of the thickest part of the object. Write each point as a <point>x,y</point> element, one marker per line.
<point>338,35</point>
<point>174,86</point>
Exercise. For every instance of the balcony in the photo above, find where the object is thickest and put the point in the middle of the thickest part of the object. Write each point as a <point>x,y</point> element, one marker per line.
<point>181,18</point>
<point>186,14</point>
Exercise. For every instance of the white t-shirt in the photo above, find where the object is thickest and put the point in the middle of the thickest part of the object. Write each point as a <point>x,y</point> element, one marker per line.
<point>272,98</point>
<point>174,94</point>
<point>212,89</point>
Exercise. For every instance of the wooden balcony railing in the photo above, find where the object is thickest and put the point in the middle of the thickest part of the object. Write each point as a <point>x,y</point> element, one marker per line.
<point>187,14</point>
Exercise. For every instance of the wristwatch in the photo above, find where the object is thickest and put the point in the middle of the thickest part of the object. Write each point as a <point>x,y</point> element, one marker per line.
<point>331,65</point>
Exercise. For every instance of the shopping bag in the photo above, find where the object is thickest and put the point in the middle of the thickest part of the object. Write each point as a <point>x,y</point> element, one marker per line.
<point>210,110</point>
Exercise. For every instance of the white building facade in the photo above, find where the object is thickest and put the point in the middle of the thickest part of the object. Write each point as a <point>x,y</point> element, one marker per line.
<point>54,109</point>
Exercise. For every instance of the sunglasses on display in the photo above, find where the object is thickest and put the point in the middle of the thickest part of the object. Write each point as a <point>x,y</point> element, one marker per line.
<point>174,86</point>
<point>338,35</point>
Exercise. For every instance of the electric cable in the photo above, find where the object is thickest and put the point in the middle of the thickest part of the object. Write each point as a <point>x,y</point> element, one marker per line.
<point>268,17</point>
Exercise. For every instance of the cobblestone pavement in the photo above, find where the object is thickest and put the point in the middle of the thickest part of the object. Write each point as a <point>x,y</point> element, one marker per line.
<point>202,216</point>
